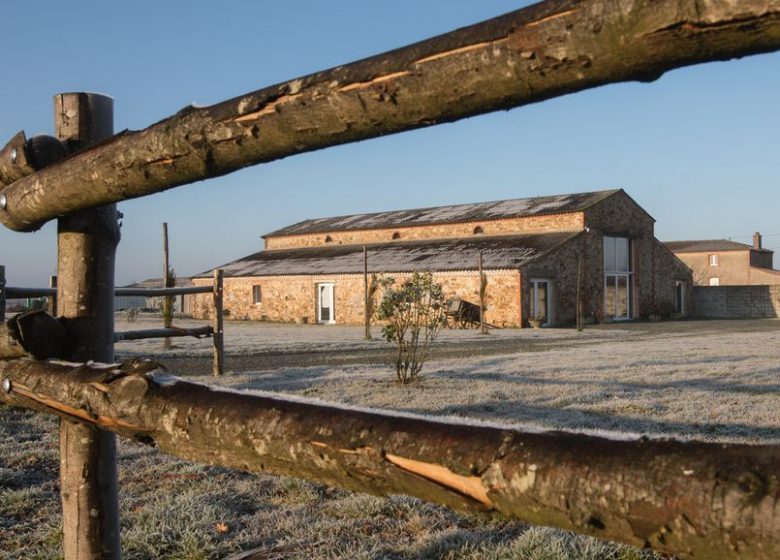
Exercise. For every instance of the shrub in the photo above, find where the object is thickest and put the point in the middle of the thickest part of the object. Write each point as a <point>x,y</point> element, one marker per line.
<point>414,312</point>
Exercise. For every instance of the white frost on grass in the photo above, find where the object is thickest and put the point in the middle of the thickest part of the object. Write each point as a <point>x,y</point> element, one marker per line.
<point>710,385</point>
<point>248,337</point>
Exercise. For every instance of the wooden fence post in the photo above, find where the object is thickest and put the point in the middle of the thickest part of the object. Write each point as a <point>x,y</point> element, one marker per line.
<point>217,325</point>
<point>366,303</point>
<point>2,293</point>
<point>482,289</point>
<point>53,298</point>
<point>86,248</point>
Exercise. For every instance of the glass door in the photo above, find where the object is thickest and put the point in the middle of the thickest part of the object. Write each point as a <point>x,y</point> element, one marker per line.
<point>325,303</point>
<point>617,302</point>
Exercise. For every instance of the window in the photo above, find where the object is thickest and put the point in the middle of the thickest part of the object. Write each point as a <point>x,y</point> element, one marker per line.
<point>713,260</point>
<point>715,281</point>
<point>478,230</point>
<point>257,294</point>
<point>396,235</point>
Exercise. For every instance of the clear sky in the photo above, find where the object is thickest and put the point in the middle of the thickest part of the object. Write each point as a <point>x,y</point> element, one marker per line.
<point>698,149</point>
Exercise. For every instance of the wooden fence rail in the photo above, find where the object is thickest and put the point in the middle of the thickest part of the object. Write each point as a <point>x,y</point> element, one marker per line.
<point>214,331</point>
<point>691,499</point>
<point>542,51</point>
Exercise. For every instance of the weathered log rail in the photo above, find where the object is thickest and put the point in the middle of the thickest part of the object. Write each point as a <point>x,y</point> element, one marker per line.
<point>695,500</point>
<point>542,51</point>
<point>698,500</point>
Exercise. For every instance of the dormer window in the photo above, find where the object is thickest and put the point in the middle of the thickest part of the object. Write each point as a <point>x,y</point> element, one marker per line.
<point>328,239</point>
<point>396,235</point>
<point>478,230</point>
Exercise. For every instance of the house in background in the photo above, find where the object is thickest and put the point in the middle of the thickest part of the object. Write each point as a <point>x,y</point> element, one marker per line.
<point>539,255</point>
<point>721,262</point>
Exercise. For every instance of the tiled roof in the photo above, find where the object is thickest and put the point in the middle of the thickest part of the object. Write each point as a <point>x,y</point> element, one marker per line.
<point>704,245</point>
<point>500,252</point>
<point>480,211</point>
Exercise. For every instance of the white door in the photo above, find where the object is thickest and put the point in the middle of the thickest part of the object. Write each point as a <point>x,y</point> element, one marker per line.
<point>326,312</point>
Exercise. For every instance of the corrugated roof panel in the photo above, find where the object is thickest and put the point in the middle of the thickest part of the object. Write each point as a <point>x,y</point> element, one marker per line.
<point>521,207</point>
<point>501,252</point>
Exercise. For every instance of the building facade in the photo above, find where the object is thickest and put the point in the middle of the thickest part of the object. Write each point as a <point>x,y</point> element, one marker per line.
<point>542,258</point>
<point>722,262</point>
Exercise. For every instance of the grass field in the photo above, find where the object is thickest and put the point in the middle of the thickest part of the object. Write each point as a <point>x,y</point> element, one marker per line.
<point>702,380</point>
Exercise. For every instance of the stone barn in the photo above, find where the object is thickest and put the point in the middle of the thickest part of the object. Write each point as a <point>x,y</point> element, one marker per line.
<point>539,256</point>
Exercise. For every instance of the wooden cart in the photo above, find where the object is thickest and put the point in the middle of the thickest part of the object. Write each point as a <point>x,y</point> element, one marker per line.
<point>462,314</point>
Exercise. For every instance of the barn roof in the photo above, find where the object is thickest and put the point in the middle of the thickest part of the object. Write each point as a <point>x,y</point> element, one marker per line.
<point>499,252</point>
<point>181,281</point>
<point>704,245</point>
<point>480,211</point>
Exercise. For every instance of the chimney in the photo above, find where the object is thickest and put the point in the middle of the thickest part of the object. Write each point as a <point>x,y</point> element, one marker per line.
<point>756,240</point>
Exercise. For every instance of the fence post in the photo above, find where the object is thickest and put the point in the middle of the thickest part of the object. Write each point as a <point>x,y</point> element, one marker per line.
<point>482,288</point>
<point>86,247</point>
<point>217,325</point>
<point>2,293</point>
<point>366,303</point>
<point>53,299</point>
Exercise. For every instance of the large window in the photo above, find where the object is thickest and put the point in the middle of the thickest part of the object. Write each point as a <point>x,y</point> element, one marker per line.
<point>617,277</point>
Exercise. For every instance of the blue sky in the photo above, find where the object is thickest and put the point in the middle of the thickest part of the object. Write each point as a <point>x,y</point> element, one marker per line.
<point>698,148</point>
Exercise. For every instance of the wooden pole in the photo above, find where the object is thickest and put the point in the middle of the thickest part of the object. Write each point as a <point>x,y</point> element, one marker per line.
<point>366,304</point>
<point>482,288</point>
<point>217,325</point>
<point>578,320</point>
<point>167,301</point>
<point>2,293</point>
<point>85,267</point>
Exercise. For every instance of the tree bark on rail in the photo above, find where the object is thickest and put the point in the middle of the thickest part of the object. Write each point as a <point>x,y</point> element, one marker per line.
<point>542,51</point>
<point>692,499</point>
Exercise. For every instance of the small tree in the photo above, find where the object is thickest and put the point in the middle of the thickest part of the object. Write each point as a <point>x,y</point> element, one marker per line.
<point>414,312</point>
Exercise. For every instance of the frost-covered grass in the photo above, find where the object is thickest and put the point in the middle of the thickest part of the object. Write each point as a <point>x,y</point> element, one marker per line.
<point>248,337</point>
<point>707,383</point>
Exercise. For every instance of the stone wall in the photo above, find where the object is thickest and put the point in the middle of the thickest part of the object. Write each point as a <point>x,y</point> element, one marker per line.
<point>293,298</point>
<point>737,302</point>
<point>533,224</point>
<point>668,270</point>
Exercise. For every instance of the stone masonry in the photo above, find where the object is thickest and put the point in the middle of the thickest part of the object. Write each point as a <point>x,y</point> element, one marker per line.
<point>655,272</point>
